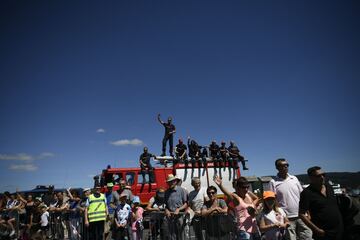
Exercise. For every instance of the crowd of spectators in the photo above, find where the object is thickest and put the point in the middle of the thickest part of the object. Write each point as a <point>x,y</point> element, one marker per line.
<point>52,215</point>
<point>287,211</point>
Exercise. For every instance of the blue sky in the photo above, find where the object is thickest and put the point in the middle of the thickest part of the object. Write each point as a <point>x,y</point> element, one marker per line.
<point>280,78</point>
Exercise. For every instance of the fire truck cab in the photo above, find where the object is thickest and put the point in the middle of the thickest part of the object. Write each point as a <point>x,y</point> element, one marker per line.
<point>145,189</point>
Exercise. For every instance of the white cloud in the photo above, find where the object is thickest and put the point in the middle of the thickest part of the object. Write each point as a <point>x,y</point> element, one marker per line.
<point>17,156</point>
<point>23,167</point>
<point>100,130</point>
<point>25,156</point>
<point>126,142</point>
<point>46,155</point>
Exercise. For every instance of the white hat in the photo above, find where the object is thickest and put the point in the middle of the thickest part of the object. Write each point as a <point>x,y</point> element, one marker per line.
<point>171,177</point>
<point>123,194</point>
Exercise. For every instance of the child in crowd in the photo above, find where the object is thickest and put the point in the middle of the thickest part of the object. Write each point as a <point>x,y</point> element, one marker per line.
<point>121,218</point>
<point>44,220</point>
<point>273,220</point>
<point>136,219</point>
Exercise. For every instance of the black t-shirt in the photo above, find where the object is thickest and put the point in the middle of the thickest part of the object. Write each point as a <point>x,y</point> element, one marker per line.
<point>145,158</point>
<point>194,149</point>
<point>223,151</point>
<point>323,210</point>
<point>181,148</point>
<point>234,150</point>
<point>169,127</point>
<point>214,150</point>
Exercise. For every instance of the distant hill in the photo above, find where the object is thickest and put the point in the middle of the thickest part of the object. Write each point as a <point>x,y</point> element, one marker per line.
<point>345,179</point>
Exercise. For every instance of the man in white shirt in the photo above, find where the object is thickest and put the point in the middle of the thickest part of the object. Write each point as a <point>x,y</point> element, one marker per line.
<point>196,202</point>
<point>288,188</point>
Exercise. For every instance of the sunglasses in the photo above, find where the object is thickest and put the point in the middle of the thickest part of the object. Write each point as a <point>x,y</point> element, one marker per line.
<point>211,193</point>
<point>283,165</point>
<point>319,175</point>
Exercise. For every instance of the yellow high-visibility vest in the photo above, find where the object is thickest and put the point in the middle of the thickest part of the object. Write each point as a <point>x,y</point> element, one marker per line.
<point>97,208</point>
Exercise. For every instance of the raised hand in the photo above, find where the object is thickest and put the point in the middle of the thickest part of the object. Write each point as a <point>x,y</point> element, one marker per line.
<point>217,180</point>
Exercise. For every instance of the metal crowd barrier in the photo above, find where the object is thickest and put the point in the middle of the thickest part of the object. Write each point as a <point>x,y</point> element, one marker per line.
<point>157,227</point>
<point>60,227</point>
<point>216,226</point>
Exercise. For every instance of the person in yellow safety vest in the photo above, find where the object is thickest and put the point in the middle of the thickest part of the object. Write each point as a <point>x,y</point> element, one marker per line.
<point>96,213</point>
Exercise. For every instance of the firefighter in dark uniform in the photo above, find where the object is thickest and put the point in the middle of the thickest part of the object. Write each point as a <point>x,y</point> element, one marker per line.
<point>204,154</point>
<point>214,153</point>
<point>145,165</point>
<point>169,135</point>
<point>180,152</point>
<point>194,152</point>
<point>224,154</point>
<point>234,154</point>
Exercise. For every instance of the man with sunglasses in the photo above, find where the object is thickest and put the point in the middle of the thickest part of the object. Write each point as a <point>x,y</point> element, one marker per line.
<point>318,207</point>
<point>287,189</point>
<point>213,211</point>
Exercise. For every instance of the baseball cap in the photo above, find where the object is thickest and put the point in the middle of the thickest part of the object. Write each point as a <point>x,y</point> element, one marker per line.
<point>136,199</point>
<point>268,194</point>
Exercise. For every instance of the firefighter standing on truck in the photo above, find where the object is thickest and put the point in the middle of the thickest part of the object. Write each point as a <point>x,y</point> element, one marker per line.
<point>96,213</point>
<point>169,135</point>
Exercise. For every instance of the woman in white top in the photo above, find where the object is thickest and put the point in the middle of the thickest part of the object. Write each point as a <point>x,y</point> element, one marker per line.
<point>273,220</point>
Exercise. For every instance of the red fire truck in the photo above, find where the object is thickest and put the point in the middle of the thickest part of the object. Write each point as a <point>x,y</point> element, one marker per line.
<point>145,189</point>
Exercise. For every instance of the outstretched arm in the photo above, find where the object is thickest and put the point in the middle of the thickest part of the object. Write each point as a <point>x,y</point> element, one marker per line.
<point>69,194</point>
<point>232,197</point>
<point>21,198</point>
<point>158,117</point>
